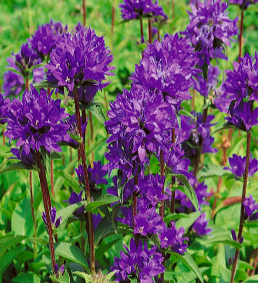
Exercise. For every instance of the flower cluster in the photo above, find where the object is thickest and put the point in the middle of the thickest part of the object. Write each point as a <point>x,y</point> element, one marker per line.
<point>55,222</point>
<point>136,9</point>
<point>139,262</point>
<point>168,66</point>
<point>4,106</point>
<point>36,122</point>
<point>200,226</point>
<point>251,208</point>
<point>78,59</point>
<point>209,29</point>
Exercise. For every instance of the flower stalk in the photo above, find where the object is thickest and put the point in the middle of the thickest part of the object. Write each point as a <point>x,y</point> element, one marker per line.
<point>241,222</point>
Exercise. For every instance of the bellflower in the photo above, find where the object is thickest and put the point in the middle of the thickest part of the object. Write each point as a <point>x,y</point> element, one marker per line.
<point>4,106</point>
<point>200,226</point>
<point>172,239</point>
<point>78,58</point>
<point>242,116</point>
<point>242,82</point>
<point>140,119</point>
<point>46,37</point>
<point>234,236</point>
<point>75,198</point>
<point>59,271</point>
<point>250,209</point>
<point>140,262</point>
<point>36,121</point>
<point>136,9</point>
<point>55,222</point>
<point>209,29</point>
<point>168,66</point>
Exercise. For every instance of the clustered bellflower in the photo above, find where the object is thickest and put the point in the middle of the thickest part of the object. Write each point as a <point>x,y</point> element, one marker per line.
<point>209,29</point>
<point>136,9</point>
<point>4,106</point>
<point>251,209</point>
<point>138,261</point>
<point>78,58</point>
<point>36,121</point>
<point>55,222</point>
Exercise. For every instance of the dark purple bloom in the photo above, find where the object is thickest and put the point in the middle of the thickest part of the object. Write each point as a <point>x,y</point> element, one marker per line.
<point>95,175</point>
<point>36,121</point>
<point>141,120</point>
<point>78,58</point>
<point>207,143</point>
<point>233,233</point>
<point>55,222</point>
<point>250,208</point>
<point>203,129</point>
<point>168,66</point>
<point>243,4</point>
<point>75,198</point>
<point>220,99</point>
<point>4,107</point>
<point>242,82</point>
<point>136,9</point>
<point>61,270</point>
<point>209,29</point>
<point>200,226</point>
<point>46,37</point>
<point>242,116</point>
<point>96,220</point>
<point>140,262</point>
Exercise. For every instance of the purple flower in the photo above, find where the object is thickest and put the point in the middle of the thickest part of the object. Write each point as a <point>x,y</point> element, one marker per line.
<point>78,58</point>
<point>233,233</point>
<point>136,9</point>
<point>250,209</point>
<point>139,262</point>
<point>60,271</point>
<point>203,129</point>
<point>209,29</point>
<point>220,100</point>
<point>142,120</point>
<point>200,226</point>
<point>26,59</point>
<point>242,116</point>
<point>55,222</point>
<point>4,107</point>
<point>46,37</point>
<point>36,122</point>
<point>242,82</point>
<point>96,220</point>
<point>168,66</point>
<point>172,239</point>
<point>75,198</point>
<point>243,4</point>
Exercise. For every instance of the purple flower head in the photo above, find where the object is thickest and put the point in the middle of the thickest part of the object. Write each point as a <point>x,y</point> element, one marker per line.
<point>141,120</point>
<point>127,216</point>
<point>55,222</point>
<point>200,226</point>
<point>209,29</point>
<point>250,209</point>
<point>139,262</point>
<point>46,37</point>
<point>221,101</point>
<point>38,75</point>
<point>175,161</point>
<point>242,116</point>
<point>136,9</point>
<point>203,129</point>
<point>26,59</point>
<point>4,107</point>
<point>28,160</point>
<point>168,66</point>
<point>36,121</point>
<point>60,271</point>
<point>96,220</point>
<point>75,198</point>
<point>243,4</point>
<point>234,236</point>
<point>78,58</point>
<point>172,239</point>
<point>242,82</point>
<point>147,221</point>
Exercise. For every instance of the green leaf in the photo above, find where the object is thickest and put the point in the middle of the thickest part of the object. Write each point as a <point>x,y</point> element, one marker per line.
<point>71,253</point>
<point>14,167</point>
<point>64,279</point>
<point>102,229</point>
<point>96,109</point>
<point>37,66</point>
<point>27,278</point>
<point>253,279</point>
<point>94,146</point>
<point>4,163</point>
<point>186,223</point>
<point>104,248</point>
<point>11,241</point>
<point>13,70</point>
<point>84,275</point>
<point>7,258</point>
<point>224,127</point>
<point>224,239</point>
<point>22,221</point>
<point>186,113</point>
<point>105,199</point>
<point>70,180</point>
<point>173,216</point>
<point>45,84</point>
<point>39,240</point>
<point>67,212</point>
<point>189,262</point>
<point>187,189</point>
<point>211,171</point>
<point>252,224</point>
<point>55,156</point>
